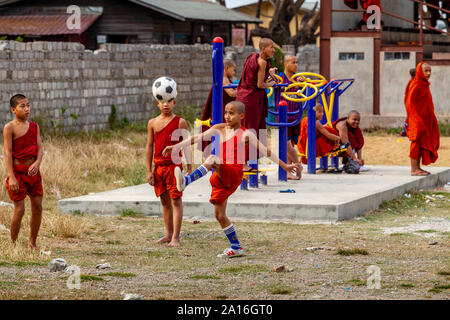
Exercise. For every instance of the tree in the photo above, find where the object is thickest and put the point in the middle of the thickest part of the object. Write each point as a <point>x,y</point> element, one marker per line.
<point>278,30</point>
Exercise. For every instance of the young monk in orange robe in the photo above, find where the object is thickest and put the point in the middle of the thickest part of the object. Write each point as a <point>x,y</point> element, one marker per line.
<point>327,138</point>
<point>423,129</point>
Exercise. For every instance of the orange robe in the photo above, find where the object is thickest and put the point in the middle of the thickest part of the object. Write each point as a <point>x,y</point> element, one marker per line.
<point>423,129</point>
<point>323,144</point>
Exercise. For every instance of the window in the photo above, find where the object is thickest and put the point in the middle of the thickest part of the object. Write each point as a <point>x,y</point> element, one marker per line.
<point>351,55</point>
<point>389,56</point>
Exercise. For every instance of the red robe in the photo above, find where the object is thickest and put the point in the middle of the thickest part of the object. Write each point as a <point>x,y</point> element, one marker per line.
<point>254,98</point>
<point>423,129</point>
<point>323,144</point>
<point>406,95</point>
<point>164,166</point>
<point>24,148</point>
<point>364,4</point>
<point>355,137</point>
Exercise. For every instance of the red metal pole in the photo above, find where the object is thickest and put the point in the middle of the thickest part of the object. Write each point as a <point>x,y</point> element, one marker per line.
<point>325,37</point>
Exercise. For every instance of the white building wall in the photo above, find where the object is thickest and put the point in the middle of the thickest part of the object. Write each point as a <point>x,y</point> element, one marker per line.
<point>394,78</point>
<point>360,95</point>
<point>440,89</point>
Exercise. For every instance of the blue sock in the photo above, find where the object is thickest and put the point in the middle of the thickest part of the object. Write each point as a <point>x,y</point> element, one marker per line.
<point>197,174</point>
<point>230,232</point>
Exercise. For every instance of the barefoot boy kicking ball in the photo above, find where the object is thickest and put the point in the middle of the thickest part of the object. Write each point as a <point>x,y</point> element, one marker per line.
<point>23,156</point>
<point>159,135</point>
<point>227,167</point>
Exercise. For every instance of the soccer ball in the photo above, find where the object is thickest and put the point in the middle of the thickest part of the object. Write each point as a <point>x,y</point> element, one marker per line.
<point>164,89</point>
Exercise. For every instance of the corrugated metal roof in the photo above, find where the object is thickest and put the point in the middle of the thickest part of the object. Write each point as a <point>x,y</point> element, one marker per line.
<point>193,10</point>
<point>43,24</point>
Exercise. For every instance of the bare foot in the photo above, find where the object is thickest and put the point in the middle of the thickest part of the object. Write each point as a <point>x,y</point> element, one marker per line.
<point>33,247</point>
<point>419,173</point>
<point>174,243</point>
<point>165,239</point>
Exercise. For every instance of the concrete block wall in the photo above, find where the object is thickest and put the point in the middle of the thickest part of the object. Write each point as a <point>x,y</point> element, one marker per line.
<point>59,76</point>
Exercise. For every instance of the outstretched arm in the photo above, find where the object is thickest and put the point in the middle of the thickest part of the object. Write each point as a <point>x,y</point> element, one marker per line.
<point>204,136</point>
<point>253,141</point>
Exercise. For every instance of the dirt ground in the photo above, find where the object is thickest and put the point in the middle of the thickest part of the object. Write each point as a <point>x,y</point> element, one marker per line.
<point>406,240</point>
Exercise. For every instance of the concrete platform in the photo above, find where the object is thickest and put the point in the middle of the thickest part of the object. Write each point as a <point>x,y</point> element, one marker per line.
<point>318,198</point>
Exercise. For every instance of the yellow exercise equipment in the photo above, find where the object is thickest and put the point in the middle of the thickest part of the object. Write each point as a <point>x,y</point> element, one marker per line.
<point>303,86</point>
<point>316,82</point>
<point>199,123</point>
<point>280,79</point>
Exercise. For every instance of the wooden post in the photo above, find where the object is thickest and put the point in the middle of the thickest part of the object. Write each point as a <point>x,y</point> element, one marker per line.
<point>246,34</point>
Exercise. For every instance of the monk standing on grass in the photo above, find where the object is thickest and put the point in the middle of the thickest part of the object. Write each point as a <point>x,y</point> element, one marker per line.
<point>23,156</point>
<point>423,129</point>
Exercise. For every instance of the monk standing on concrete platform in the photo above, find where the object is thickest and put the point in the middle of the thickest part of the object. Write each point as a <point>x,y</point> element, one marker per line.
<point>251,90</point>
<point>423,129</point>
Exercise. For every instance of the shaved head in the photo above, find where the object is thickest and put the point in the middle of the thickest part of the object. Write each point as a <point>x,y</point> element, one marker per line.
<point>265,42</point>
<point>318,107</point>
<point>288,57</point>
<point>227,63</point>
<point>354,112</point>
<point>240,107</point>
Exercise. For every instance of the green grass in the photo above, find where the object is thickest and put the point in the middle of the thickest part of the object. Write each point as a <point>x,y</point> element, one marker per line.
<point>7,284</point>
<point>246,269</point>
<point>86,277</point>
<point>426,231</point>
<point>407,285</point>
<point>130,213</point>
<point>444,273</point>
<point>352,252</point>
<point>281,290</point>
<point>439,288</point>
<point>357,282</point>
<point>113,242</point>
<point>119,274</point>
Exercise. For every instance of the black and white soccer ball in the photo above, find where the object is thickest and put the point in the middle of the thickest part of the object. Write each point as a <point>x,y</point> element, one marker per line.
<point>164,89</point>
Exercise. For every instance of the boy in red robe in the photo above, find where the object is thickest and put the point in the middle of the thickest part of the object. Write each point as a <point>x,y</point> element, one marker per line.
<point>159,135</point>
<point>23,156</point>
<point>349,131</point>
<point>327,138</point>
<point>227,167</point>
<point>251,90</point>
<point>423,129</point>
